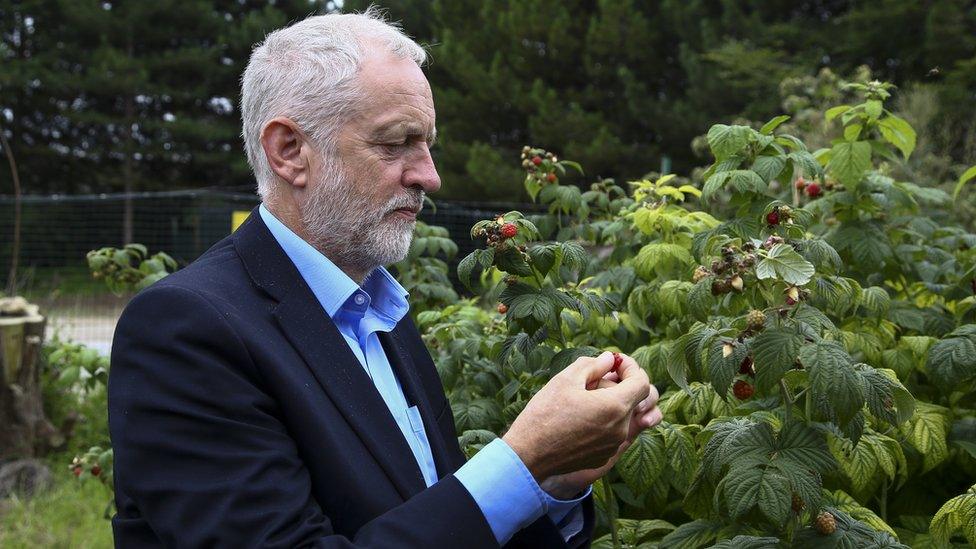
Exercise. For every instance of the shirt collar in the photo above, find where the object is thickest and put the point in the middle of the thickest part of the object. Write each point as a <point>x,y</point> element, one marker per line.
<point>331,286</point>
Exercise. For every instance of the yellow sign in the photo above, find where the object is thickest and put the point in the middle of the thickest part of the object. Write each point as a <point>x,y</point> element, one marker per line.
<point>237,218</point>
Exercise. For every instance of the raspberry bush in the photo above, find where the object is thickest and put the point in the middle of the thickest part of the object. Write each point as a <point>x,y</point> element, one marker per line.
<point>812,330</point>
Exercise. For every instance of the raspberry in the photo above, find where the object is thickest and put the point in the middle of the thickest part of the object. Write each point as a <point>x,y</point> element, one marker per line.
<point>700,273</point>
<point>797,504</point>
<point>720,287</point>
<point>96,470</point>
<point>813,190</point>
<point>755,319</point>
<point>502,308</point>
<point>617,361</point>
<point>551,178</point>
<point>800,183</point>
<point>536,160</point>
<point>746,368</point>
<point>742,390</point>
<point>509,230</point>
<point>76,470</point>
<point>825,523</point>
<point>773,217</point>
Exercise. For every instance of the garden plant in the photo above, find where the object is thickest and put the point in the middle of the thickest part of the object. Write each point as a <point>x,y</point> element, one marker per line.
<point>812,331</point>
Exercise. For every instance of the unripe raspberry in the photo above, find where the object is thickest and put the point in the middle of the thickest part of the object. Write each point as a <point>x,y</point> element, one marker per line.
<point>813,190</point>
<point>825,523</point>
<point>742,390</point>
<point>526,149</point>
<point>509,230</point>
<point>536,160</point>
<point>773,217</point>
<point>800,183</point>
<point>700,273</point>
<point>755,319</point>
<point>502,308</point>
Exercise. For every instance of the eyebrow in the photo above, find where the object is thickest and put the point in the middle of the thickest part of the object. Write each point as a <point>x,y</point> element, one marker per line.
<point>411,129</point>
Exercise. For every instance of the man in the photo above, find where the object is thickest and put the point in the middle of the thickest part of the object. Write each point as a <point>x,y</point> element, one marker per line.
<point>276,394</point>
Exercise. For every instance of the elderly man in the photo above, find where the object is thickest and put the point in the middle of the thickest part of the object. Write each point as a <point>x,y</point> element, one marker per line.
<point>275,392</point>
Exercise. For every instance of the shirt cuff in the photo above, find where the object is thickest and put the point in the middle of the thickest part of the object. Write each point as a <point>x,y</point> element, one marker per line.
<point>567,515</point>
<point>504,489</point>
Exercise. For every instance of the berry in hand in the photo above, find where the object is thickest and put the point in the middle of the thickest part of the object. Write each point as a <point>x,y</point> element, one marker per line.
<point>617,361</point>
<point>742,389</point>
<point>825,523</point>
<point>509,230</point>
<point>813,190</point>
<point>773,217</point>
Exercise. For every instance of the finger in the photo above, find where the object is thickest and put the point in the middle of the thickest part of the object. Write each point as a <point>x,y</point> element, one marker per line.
<point>601,383</point>
<point>586,369</point>
<point>612,376</point>
<point>652,418</point>
<point>634,385</point>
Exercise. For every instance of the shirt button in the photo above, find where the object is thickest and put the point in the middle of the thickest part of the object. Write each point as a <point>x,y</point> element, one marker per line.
<point>359,299</point>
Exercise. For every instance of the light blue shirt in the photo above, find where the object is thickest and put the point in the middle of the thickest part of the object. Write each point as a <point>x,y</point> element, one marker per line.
<point>496,478</point>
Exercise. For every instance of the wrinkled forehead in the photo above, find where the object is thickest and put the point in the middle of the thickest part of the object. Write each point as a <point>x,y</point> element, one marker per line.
<point>395,89</point>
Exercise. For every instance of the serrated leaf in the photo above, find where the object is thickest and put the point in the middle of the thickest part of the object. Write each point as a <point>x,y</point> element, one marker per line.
<point>724,141</point>
<point>959,513</point>
<point>774,352</point>
<point>832,378</point>
<point>783,263</point>
<point>899,133</point>
<point>692,535</point>
<point>643,462</point>
<point>849,161</point>
<point>768,127</point>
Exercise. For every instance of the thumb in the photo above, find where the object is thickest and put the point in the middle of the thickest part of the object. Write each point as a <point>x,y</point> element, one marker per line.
<point>588,371</point>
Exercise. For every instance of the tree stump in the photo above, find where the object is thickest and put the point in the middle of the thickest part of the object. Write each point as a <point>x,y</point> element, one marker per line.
<point>25,431</point>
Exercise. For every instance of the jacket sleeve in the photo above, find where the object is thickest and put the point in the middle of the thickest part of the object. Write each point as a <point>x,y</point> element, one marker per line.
<point>202,459</point>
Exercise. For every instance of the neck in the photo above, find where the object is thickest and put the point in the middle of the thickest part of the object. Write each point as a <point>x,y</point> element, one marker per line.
<point>290,216</point>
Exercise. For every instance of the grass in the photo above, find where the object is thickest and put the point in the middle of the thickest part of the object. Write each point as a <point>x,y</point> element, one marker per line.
<point>70,514</point>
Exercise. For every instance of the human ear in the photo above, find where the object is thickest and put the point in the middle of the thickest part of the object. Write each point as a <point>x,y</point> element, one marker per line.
<point>288,151</point>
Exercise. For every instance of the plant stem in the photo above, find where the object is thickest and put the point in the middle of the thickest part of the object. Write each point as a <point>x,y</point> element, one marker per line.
<point>608,498</point>
<point>786,397</point>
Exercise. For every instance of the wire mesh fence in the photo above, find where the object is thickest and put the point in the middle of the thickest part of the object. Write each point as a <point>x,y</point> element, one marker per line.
<point>57,232</point>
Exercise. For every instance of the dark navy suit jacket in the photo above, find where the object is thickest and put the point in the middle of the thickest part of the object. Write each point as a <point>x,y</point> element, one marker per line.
<point>240,418</point>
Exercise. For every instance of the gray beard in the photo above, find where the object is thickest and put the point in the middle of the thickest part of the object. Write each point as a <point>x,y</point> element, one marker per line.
<point>352,232</point>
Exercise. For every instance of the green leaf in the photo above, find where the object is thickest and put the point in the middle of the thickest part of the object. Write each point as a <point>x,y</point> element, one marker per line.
<point>768,167</point>
<point>959,513</point>
<point>748,542</point>
<point>692,535</point>
<point>774,352</point>
<point>834,112</point>
<point>783,263</point>
<point>806,447</point>
<point>832,378</point>
<point>927,432</point>
<point>849,161</point>
<point>768,127</point>
<point>952,361</point>
<point>966,176</point>
<point>876,300</point>
<point>899,133</point>
<point>658,257</point>
<point>643,462</point>
<point>727,140</point>
<point>873,108</point>
<point>535,305</point>
<point>748,486</point>
<point>743,181</point>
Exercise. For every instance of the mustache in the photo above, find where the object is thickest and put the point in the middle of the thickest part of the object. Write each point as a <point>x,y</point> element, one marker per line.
<point>413,201</point>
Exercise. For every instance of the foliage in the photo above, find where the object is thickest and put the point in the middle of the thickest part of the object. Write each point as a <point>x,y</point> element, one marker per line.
<point>129,268</point>
<point>819,284</point>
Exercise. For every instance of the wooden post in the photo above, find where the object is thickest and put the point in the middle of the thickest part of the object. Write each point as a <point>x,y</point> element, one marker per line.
<point>24,429</point>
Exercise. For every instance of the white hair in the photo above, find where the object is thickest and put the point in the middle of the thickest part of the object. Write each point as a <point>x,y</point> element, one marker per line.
<point>307,72</point>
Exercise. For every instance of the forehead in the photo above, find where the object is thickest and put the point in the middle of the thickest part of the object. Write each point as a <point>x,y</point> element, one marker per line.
<point>396,95</point>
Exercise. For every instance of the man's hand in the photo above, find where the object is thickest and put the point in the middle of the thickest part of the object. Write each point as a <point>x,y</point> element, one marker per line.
<point>567,428</point>
<point>645,416</point>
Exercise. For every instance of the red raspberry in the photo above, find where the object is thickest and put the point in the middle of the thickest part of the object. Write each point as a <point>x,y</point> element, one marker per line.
<point>96,470</point>
<point>76,470</point>
<point>617,361</point>
<point>536,160</point>
<point>509,230</point>
<point>742,390</point>
<point>773,217</point>
<point>800,183</point>
<point>813,190</point>
<point>502,308</point>
<point>552,178</point>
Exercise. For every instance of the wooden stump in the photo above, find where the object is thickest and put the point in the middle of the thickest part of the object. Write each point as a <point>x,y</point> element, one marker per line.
<point>25,431</point>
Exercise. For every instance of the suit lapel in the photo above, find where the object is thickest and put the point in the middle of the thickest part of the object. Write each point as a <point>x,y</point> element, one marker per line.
<point>405,369</point>
<point>316,338</point>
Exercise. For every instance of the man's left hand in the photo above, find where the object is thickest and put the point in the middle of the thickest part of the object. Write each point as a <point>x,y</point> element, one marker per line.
<point>646,414</point>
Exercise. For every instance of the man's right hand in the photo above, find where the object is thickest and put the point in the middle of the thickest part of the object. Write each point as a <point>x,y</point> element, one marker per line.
<point>566,427</point>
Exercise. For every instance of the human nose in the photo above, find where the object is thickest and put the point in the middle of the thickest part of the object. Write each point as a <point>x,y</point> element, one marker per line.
<point>422,173</point>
